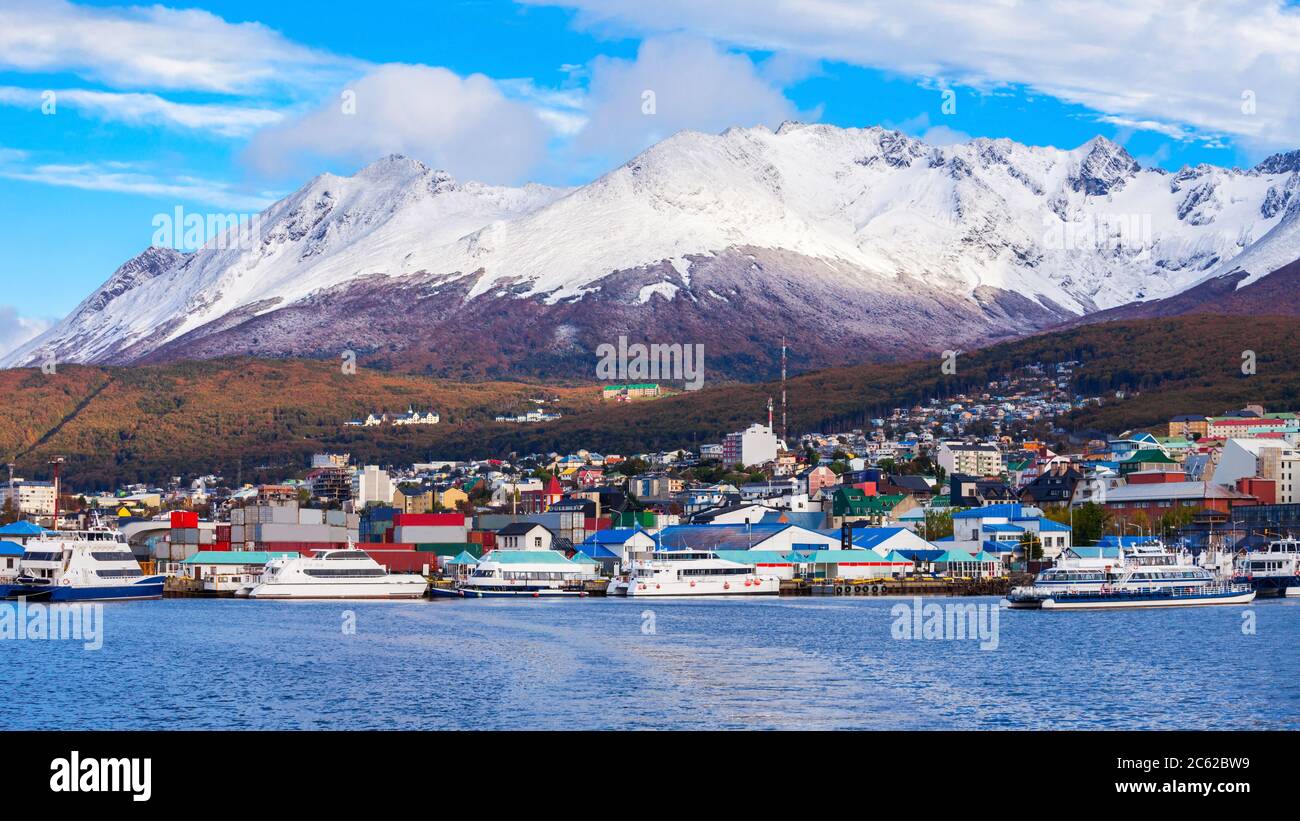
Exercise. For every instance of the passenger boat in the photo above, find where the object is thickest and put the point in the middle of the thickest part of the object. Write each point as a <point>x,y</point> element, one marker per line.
<point>697,573</point>
<point>1273,571</point>
<point>1147,575</point>
<point>529,573</point>
<point>346,573</point>
<point>81,566</point>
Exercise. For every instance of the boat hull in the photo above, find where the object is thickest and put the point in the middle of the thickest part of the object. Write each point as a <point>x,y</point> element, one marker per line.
<point>1118,601</point>
<point>150,587</point>
<point>516,593</point>
<point>1270,586</point>
<point>336,590</point>
<point>769,586</point>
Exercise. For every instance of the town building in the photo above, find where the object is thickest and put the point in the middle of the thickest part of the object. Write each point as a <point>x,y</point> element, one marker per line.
<point>371,484</point>
<point>755,445</point>
<point>28,497</point>
<point>969,458</point>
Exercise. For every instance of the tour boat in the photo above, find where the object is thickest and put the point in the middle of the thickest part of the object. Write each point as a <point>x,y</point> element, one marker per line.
<point>82,565</point>
<point>697,573</point>
<point>346,573</point>
<point>1147,575</point>
<point>1273,571</point>
<point>529,573</point>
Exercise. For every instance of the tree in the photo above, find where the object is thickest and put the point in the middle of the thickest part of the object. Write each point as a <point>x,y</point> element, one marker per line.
<point>1032,547</point>
<point>938,524</point>
<point>1088,522</point>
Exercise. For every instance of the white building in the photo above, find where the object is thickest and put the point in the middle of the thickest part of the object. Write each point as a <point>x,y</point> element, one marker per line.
<point>756,445</point>
<point>370,484</point>
<point>1263,458</point>
<point>969,459</point>
<point>999,528</point>
<point>524,536</point>
<point>34,498</point>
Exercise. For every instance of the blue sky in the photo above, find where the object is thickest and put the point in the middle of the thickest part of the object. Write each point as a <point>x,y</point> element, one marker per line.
<point>225,106</point>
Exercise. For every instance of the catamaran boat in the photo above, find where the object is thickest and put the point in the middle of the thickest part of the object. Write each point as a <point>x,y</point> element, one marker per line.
<point>697,573</point>
<point>82,565</point>
<point>1146,575</point>
<point>334,574</point>
<point>531,573</point>
<point>1273,571</point>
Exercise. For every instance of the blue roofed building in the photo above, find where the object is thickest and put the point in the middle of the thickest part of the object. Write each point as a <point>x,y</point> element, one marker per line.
<point>774,536</point>
<point>624,543</point>
<point>1000,528</point>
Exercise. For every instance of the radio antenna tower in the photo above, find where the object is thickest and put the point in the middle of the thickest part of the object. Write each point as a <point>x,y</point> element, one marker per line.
<point>784,431</point>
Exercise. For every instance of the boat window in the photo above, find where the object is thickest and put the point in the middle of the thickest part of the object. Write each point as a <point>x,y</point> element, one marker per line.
<point>125,573</point>
<point>117,556</point>
<point>344,572</point>
<point>42,556</point>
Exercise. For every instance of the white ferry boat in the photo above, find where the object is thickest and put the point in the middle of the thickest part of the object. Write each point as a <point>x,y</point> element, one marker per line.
<point>82,565</point>
<point>531,573</point>
<point>1147,575</point>
<point>346,573</point>
<point>1273,571</point>
<point>697,573</point>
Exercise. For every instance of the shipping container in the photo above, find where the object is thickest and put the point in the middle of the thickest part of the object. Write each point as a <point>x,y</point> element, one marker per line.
<point>184,519</point>
<point>336,518</point>
<point>452,549</point>
<point>403,561</point>
<point>237,516</point>
<point>429,534</point>
<point>429,520</point>
<point>295,533</point>
<point>311,516</point>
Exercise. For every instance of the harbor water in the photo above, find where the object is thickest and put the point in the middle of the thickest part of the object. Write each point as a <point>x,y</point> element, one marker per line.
<point>564,664</point>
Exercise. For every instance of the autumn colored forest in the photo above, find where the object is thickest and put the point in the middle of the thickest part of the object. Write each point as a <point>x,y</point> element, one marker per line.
<point>260,419</point>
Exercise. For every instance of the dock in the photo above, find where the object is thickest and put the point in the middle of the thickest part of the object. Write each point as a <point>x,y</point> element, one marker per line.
<point>998,586</point>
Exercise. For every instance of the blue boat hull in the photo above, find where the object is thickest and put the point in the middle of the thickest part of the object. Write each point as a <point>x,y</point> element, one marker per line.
<point>548,592</point>
<point>150,587</point>
<point>1267,586</point>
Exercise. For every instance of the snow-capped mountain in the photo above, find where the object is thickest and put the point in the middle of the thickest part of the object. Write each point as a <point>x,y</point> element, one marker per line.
<point>853,243</point>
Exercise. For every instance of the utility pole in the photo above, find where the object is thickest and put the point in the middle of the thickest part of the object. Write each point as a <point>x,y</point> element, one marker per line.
<point>57,461</point>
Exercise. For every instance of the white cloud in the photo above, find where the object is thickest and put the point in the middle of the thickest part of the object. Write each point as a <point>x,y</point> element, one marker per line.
<point>1156,62</point>
<point>695,85</point>
<point>149,109</point>
<point>127,178</point>
<point>465,125</point>
<point>160,48</point>
<point>16,329</point>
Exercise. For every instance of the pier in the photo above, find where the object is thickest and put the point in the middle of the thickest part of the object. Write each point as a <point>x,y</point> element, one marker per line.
<point>998,586</point>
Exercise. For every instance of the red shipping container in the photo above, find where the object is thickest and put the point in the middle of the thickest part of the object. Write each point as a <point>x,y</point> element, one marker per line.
<point>404,561</point>
<point>184,519</point>
<point>429,519</point>
<point>396,546</point>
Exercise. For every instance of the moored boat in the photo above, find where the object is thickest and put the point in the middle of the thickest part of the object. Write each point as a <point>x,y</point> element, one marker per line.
<point>334,574</point>
<point>1273,571</point>
<point>528,573</point>
<point>82,566</point>
<point>697,573</point>
<point>1147,575</point>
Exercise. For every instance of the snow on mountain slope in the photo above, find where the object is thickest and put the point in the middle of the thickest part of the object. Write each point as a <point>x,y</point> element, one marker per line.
<point>876,214</point>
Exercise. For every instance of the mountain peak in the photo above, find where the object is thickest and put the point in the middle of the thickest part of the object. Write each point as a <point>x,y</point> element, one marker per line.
<point>394,165</point>
<point>1282,163</point>
<point>1105,167</point>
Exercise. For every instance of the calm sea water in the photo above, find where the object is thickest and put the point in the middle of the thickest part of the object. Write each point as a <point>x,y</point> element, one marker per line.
<point>588,663</point>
